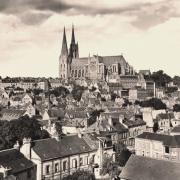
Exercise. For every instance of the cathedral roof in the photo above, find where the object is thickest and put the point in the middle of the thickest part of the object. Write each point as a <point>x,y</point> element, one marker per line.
<point>106,60</point>
<point>79,62</point>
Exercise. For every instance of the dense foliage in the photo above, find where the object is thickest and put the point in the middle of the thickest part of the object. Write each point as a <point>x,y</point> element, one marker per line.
<point>80,175</point>
<point>176,80</point>
<point>77,92</point>
<point>160,78</point>
<point>156,103</point>
<point>171,89</point>
<point>176,108</point>
<point>114,96</point>
<point>11,131</point>
<point>60,91</point>
<point>109,167</point>
<point>93,116</point>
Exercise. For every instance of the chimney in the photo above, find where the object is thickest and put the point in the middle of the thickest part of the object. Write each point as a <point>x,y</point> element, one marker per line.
<point>80,135</point>
<point>17,146</point>
<point>26,148</point>
<point>110,120</point>
<point>121,118</point>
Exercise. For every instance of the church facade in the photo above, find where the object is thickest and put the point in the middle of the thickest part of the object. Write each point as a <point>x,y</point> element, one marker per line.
<point>95,67</point>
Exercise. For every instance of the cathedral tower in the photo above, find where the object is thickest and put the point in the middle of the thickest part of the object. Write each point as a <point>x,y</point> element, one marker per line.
<point>73,50</point>
<point>64,64</point>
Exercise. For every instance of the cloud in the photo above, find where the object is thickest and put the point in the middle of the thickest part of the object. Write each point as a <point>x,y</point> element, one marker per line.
<point>146,13</point>
<point>34,17</point>
<point>155,14</point>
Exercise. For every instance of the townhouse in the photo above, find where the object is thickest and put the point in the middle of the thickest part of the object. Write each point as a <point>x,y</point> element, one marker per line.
<point>158,146</point>
<point>58,157</point>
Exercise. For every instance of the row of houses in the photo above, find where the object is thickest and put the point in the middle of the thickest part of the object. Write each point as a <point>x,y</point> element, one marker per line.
<point>55,158</point>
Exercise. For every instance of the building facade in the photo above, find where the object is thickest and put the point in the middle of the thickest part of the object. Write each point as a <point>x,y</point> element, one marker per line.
<point>158,146</point>
<point>95,67</point>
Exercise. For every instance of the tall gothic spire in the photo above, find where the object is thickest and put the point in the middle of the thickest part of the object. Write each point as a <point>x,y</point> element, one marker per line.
<point>64,50</point>
<point>73,36</point>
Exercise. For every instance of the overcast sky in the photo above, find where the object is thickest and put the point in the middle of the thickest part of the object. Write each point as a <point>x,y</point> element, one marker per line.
<point>146,32</point>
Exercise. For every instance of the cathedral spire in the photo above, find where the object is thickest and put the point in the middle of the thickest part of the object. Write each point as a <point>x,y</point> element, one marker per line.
<point>64,50</point>
<point>73,36</point>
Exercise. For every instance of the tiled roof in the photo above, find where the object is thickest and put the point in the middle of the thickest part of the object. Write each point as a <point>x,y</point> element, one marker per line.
<point>15,160</point>
<point>66,146</point>
<point>79,62</point>
<point>118,126</point>
<point>9,114</point>
<point>77,114</point>
<point>56,113</point>
<point>165,116</point>
<point>107,60</point>
<point>144,168</point>
<point>134,123</point>
<point>172,141</point>
<point>176,129</point>
<point>129,77</point>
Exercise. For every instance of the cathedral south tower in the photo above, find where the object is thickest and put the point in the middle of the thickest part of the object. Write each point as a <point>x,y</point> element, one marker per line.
<point>64,64</point>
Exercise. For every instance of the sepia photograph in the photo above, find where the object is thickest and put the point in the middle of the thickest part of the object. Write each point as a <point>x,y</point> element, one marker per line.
<point>90,90</point>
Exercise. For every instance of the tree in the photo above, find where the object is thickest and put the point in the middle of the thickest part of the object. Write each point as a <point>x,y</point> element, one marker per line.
<point>60,91</point>
<point>109,167</point>
<point>156,103</point>
<point>24,127</point>
<point>176,80</point>
<point>160,78</point>
<point>171,89</point>
<point>93,116</point>
<point>80,175</point>
<point>176,108</point>
<point>126,102</point>
<point>114,96</point>
<point>77,92</point>
<point>155,127</point>
<point>103,99</point>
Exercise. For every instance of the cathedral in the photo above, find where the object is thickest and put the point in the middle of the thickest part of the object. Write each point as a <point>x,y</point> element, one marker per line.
<point>106,68</point>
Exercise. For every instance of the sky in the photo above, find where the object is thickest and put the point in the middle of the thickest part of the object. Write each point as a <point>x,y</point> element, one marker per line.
<point>146,32</point>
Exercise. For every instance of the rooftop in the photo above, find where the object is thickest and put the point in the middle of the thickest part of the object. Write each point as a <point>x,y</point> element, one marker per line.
<point>173,141</point>
<point>66,146</point>
<point>14,160</point>
<point>144,168</point>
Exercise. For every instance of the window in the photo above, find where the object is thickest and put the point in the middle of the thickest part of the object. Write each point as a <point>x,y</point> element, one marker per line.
<point>79,73</point>
<point>56,167</point>
<point>82,73</point>
<point>93,158</point>
<point>81,161</point>
<point>72,73</point>
<point>75,73</point>
<point>74,163</point>
<point>167,149</point>
<point>64,165</point>
<point>85,160</point>
<point>47,169</point>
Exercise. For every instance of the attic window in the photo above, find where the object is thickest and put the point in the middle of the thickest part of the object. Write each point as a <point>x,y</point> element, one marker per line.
<point>167,149</point>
